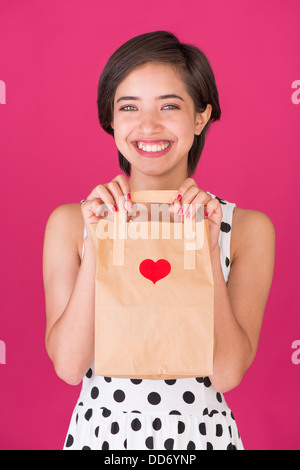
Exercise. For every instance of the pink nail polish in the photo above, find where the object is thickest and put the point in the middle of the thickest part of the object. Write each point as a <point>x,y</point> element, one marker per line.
<point>115,209</point>
<point>180,212</point>
<point>188,215</point>
<point>206,214</point>
<point>128,196</point>
<point>179,197</point>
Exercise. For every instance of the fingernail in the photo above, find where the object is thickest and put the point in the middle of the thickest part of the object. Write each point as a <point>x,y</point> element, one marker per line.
<point>180,212</point>
<point>206,214</point>
<point>188,215</point>
<point>179,197</point>
<point>115,209</point>
<point>128,196</point>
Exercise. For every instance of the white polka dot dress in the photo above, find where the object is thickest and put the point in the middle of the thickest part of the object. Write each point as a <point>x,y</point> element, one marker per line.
<point>182,414</point>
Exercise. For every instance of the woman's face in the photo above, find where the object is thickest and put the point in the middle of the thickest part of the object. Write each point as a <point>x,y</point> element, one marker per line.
<point>154,119</point>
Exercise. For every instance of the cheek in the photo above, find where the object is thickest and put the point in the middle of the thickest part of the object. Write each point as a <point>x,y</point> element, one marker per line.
<point>185,133</point>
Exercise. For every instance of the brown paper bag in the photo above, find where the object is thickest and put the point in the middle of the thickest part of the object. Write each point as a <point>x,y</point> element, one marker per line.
<point>154,294</point>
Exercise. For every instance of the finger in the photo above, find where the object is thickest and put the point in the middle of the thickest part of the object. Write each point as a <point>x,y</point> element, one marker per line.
<point>188,198</point>
<point>213,210</point>
<point>184,188</point>
<point>122,196</point>
<point>125,189</point>
<point>102,196</point>
<point>92,210</point>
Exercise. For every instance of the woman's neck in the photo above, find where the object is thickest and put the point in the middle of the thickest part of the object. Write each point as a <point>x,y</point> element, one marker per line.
<point>139,181</point>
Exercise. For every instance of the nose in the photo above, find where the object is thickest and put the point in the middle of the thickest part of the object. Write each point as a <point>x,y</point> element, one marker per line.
<point>150,123</point>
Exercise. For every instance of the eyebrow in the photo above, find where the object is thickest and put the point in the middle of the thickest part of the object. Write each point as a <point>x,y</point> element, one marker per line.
<point>136,98</point>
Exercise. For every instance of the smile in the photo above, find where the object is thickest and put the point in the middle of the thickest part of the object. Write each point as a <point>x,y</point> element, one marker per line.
<point>153,148</point>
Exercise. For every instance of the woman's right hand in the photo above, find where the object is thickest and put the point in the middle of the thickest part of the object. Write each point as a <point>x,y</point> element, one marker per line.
<point>115,195</point>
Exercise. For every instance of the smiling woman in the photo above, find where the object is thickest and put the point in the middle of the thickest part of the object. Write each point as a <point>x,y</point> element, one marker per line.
<point>183,61</point>
<point>157,97</point>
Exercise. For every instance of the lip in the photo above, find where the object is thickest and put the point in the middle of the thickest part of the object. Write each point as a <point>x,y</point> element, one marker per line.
<point>151,142</point>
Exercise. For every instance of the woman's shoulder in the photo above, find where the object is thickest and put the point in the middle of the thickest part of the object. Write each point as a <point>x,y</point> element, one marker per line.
<point>66,223</point>
<point>251,229</point>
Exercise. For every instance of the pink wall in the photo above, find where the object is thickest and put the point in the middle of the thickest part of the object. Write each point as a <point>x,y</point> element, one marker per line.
<point>53,152</point>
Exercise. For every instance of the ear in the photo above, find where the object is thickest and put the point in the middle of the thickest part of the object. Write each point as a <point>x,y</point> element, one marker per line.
<point>202,119</point>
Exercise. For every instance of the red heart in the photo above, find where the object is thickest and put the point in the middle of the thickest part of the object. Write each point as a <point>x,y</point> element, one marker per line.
<point>155,270</point>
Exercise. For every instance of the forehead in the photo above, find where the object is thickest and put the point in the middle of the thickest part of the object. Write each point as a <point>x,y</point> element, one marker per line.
<point>151,78</point>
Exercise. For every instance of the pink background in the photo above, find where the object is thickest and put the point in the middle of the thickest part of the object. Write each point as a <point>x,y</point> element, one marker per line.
<point>53,151</point>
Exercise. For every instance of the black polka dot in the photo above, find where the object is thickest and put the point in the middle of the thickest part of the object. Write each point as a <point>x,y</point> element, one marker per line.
<point>105,412</point>
<point>170,382</point>
<point>156,424</point>
<point>105,445</point>
<point>136,424</point>
<point>200,380</point>
<point>213,412</point>
<point>219,397</point>
<point>97,431</point>
<point>180,427</point>
<point>70,440</point>
<point>188,397</point>
<point>225,227</point>
<point>76,420</point>
<point>136,381</point>
<point>89,373</point>
<point>219,430</point>
<point>174,412</point>
<point>169,444</point>
<point>107,379</point>
<point>88,414</point>
<point>202,429</point>
<point>119,396</point>
<point>231,447</point>
<point>94,392</point>
<point>207,382</point>
<point>125,444</point>
<point>227,261</point>
<point>149,442</point>
<point>191,446</point>
<point>209,446</point>
<point>86,448</point>
<point>115,428</point>
<point>154,398</point>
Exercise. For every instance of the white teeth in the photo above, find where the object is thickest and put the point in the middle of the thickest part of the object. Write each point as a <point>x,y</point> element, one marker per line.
<point>152,148</point>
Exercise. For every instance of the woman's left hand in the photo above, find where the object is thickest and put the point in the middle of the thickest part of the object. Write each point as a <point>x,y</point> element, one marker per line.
<point>189,195</point>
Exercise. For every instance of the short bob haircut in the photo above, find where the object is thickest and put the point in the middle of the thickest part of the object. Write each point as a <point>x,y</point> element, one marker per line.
<point>162,47</point>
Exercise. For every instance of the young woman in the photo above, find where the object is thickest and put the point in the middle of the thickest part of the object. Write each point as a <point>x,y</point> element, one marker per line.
<point>157,97</point>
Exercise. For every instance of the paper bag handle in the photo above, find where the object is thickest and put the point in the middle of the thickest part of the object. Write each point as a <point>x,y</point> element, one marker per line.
<point>152,196</point>
<point>155,196</point>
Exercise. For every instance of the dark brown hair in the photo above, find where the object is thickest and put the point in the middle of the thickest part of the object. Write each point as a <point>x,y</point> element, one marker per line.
<point>160,46</point>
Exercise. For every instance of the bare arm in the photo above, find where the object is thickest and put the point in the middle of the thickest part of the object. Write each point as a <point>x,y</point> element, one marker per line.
<point>69,294</point>
<point>239,306</point>
<point>69,283</point>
